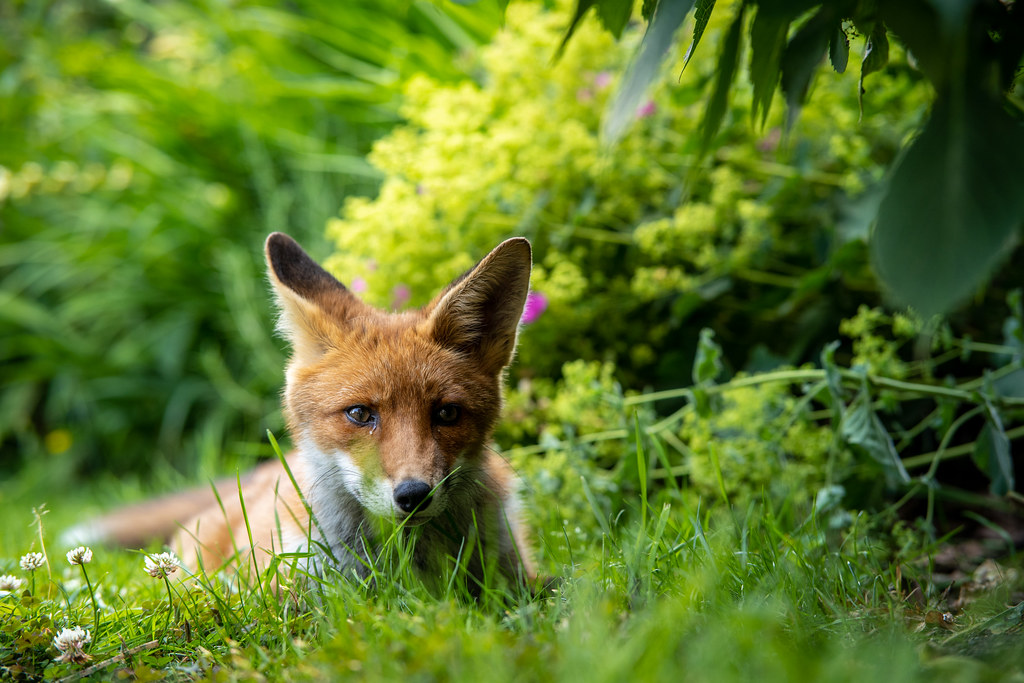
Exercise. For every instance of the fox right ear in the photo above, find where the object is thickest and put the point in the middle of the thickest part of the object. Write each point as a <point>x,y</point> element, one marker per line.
<point>310,299</point>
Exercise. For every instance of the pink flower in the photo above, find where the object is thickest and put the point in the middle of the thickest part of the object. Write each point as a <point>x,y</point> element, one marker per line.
<point>584,95</point>
<point>602,79</point>
<point>646,109</point>
<point>358,285</point>
<point>536,304</point>
<point>400,296</point>
<point>770,141</point>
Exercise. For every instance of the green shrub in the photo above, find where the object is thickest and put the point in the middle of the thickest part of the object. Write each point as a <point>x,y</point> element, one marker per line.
<point>636,247</point>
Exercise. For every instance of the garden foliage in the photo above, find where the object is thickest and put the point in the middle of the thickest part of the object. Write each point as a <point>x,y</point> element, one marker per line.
<point>951,210</point>
<point>147,150</point>
<point>641,244</point>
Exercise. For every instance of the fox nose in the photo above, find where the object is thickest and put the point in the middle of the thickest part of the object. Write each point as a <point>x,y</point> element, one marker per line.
<point>412,494</point>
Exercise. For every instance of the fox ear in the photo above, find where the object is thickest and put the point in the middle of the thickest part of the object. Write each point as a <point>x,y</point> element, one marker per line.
<point>310,299</point>
<point>479,312</point>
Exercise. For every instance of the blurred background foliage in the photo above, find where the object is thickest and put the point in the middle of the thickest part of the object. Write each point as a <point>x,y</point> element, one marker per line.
<point>159,143</point>
<point>147,150</point>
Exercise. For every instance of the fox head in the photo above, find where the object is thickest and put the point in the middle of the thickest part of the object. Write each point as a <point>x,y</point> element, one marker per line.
<point>395,405</point>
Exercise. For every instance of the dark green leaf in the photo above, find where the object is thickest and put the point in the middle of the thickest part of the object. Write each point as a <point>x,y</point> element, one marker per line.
<point>648,8</point>
<point>833,379</point>
<point>918,28</point>
<point>839,49</point>
<point>701,17</point>
<point>581,10</point>
<point>801,57</point>
<point>876,51</point>
<point>952,13</point>
<point>876,56</point>
<point>953,203</point>
<point>707,364</point>
<point>992,453</point>
<point>867,436</point>
<point>767,41</point>
<point>727,61</point>
<point>623,107</point>
<point>614,15</point>
<point>701,402</point>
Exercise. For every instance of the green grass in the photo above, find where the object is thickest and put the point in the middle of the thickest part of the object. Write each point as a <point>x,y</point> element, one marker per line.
<point>670,590</point>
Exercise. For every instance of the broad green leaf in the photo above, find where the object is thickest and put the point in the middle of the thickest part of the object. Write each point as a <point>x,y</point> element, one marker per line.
<point>701,17</point>
<point>727,61</point>
<point>953,205</point>
<point>992,453</point>
<point>641,72</point>
<point>952,13</point>
<point>767,41</point>
<point>866,435</point>
<point>839,49</point>
<point>802,56</point>
<point>614,15</point>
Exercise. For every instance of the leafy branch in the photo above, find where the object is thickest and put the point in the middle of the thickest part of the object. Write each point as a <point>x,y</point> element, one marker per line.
<point>952,206</point>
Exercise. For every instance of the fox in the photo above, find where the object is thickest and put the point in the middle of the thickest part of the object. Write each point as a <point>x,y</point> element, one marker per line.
<point>390,414</point>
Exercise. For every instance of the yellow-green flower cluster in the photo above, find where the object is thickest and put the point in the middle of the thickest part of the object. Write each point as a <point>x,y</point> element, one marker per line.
<point>618,229</point>
<point>760,440</point>
<point>476,158</point>
<point>877,338</point>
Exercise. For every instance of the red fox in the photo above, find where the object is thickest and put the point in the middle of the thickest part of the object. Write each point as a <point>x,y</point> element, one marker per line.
<point>390,414</point>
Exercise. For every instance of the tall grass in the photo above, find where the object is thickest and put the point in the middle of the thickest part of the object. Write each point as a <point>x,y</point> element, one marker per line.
<point>709,593</point>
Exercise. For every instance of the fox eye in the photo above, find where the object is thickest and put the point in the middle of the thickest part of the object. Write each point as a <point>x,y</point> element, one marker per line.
<point>447,414</point>
<point>360,415</point>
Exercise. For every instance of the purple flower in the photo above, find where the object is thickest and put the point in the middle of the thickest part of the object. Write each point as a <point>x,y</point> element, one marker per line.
<point>358,285</point>
<point>400,296</point>
<point>536,304</point>
<point>646,109</point>
<point>602,79</point>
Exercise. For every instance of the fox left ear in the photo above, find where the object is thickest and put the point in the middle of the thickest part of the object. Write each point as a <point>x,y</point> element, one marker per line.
<point>311,301</point>
<point>479,312</point>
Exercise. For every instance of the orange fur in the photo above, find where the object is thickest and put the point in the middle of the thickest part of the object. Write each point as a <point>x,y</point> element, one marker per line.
<point>390,414</point>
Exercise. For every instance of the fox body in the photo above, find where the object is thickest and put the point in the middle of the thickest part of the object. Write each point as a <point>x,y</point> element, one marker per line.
<point>390,414</point>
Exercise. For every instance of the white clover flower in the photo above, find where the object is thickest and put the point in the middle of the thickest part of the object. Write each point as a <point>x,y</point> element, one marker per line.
<point>32,561</point>
<point>161,565</point>
<point>71,643</point>
<point>80,555</point>
<point>9,584</point>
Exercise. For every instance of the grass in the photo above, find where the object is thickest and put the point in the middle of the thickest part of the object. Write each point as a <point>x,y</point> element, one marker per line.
<point>671,590</point>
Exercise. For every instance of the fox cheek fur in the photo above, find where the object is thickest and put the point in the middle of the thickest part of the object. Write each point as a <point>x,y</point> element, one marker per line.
<point>403,439</point>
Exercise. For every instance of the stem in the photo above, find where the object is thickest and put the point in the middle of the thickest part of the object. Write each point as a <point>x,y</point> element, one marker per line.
<point>962,393</point>
<point>95,607</point>
<point>954,452</point>
<point>170,608</point>
<point>948,436</point>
